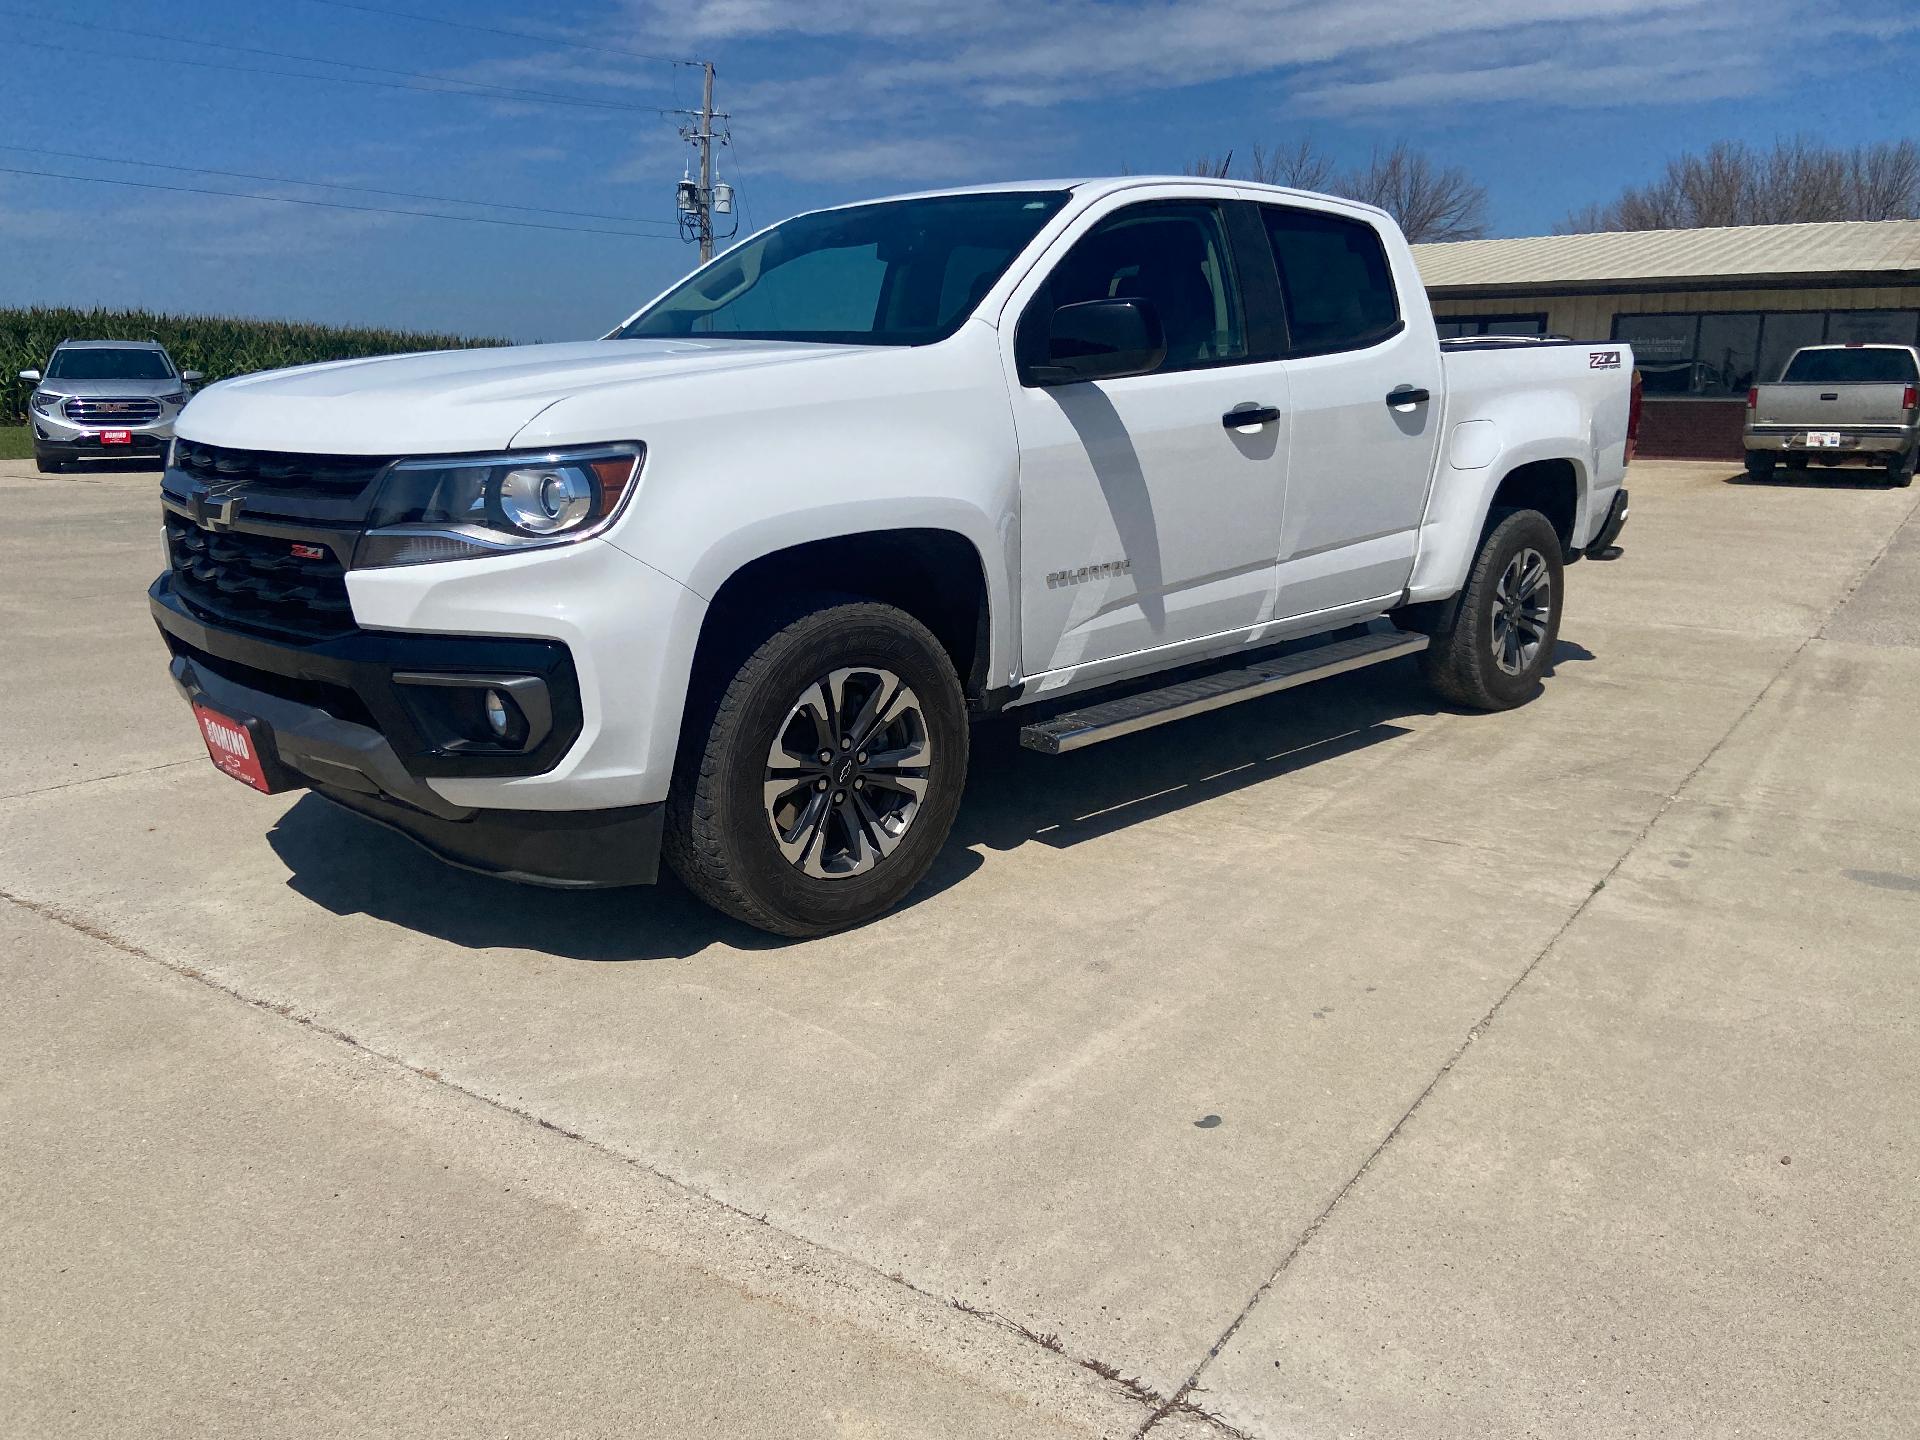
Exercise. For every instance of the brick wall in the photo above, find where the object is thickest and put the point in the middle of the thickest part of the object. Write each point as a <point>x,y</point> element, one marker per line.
<point>1692,429</point>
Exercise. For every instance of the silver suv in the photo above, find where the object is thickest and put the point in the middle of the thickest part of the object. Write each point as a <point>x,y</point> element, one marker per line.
<point>105,400</point>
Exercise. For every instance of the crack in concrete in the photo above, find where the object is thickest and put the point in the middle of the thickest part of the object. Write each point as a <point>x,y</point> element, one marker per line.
<point>1181,1401</point>
<point>1132,1388</point>
<point>95,779</point>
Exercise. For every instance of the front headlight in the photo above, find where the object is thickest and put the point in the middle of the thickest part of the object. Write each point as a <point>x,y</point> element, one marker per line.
<point>45,403</point>
<point>455,509</point>
<point>176,399</point>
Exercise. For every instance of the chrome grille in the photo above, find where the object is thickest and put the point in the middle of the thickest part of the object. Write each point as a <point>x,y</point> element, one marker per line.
<point>104,410</point>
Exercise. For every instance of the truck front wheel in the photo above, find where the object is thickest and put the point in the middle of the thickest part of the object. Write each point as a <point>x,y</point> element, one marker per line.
<point>1496,640</point>
<point>816,787</point>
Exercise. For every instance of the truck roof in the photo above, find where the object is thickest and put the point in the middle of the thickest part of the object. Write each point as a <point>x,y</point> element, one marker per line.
<point>1095,186</point>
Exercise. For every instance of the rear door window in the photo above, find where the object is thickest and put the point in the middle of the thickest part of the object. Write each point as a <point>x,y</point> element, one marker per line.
<point>1335,276</point>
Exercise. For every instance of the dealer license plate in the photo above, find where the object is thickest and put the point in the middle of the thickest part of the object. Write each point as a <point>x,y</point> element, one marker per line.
<point>231,748</point>
<point>116,437</point>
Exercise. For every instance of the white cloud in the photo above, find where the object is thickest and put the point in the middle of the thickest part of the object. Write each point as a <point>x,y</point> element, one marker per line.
<point>934,90</point>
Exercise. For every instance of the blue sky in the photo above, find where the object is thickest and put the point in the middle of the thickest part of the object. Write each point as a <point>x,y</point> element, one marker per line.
<point>1551,103</point>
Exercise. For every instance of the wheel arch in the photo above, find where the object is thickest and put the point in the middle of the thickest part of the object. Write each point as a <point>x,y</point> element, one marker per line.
<point>937,575</point>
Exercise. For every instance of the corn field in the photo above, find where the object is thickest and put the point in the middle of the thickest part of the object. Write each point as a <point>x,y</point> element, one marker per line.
<point>219,346</point>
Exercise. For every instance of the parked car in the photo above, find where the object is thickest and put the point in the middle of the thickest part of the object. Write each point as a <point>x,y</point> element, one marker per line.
<point>105,400</point>
<point>1834,403</point>
<point>732,582</point>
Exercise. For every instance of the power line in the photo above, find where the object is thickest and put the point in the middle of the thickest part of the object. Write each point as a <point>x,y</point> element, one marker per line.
<point>516,91</point>
<point>511,34</point>
<point>472,94</point>
<point>329,204</point>
<point>330,185</point>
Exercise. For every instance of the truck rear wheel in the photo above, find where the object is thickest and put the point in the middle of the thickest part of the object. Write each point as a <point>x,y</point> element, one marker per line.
<point>1900,468</point>
<point>826,774</point>
<point>1490,651</point>
<point>1760,464</point>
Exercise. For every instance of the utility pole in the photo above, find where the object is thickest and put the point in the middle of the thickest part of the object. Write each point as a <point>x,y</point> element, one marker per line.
<point>704,139</point>
<point>700,200</point>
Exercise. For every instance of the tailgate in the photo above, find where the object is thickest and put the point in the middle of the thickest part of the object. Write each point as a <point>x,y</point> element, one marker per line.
<point>1830,407</point>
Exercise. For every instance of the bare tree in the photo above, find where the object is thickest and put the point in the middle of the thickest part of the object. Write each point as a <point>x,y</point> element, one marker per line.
<point>1302,166</point>
<point>1430,201</point>
<point>1731,183</point>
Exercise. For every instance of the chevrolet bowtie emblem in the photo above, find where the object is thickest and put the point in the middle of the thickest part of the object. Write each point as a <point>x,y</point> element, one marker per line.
<point>216,512</point>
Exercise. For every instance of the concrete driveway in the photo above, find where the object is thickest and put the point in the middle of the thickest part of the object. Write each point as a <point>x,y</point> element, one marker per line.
<point>1335,1065</point>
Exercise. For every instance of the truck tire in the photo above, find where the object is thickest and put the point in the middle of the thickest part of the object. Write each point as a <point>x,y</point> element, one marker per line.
<point>817,783</point>
<point>1900,469</point>
<point>1495,642</point>
<point>1760,464</point>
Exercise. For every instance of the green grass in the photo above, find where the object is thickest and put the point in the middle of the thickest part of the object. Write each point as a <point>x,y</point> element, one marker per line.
<point>16,442</point>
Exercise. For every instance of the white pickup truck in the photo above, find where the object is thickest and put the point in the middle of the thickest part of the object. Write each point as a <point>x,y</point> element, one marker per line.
<point>730,583</point>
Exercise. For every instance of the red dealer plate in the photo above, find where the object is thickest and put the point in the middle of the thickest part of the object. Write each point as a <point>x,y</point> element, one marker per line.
<point>231,748</point>
<point>116,437</point>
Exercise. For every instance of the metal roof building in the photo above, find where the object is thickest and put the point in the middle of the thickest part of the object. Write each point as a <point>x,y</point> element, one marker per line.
<point>1708,312</point>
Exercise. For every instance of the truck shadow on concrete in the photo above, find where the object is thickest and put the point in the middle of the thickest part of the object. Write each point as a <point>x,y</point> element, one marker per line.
<point>346,865</point>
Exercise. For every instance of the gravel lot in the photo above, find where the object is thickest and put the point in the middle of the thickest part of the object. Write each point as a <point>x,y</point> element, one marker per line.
<point>1563,1062</point>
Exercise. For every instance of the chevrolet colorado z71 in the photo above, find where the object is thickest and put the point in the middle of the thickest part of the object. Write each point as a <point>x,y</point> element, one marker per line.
<point>729,583</point>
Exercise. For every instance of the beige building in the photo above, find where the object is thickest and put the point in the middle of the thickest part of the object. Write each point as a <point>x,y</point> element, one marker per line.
<point>1708,312</point>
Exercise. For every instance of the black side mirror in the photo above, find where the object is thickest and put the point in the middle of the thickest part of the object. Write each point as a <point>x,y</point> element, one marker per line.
<point>1102,340</point>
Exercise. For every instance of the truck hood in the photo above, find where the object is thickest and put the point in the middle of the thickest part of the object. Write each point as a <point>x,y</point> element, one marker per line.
<point>453,401</point>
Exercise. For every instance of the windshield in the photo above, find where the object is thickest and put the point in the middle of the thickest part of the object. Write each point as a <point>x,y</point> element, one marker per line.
<point>1841,367</point>
<point>902,272</point>
<point>109,365</point>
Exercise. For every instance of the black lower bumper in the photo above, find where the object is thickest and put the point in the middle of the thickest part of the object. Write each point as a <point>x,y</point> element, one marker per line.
<point>560,849</point>
<point>324,717</point>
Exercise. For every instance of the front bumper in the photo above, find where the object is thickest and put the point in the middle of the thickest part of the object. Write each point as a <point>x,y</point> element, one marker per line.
<point>56,436</point>
<point>1879,442</point>
<point>330,716</point>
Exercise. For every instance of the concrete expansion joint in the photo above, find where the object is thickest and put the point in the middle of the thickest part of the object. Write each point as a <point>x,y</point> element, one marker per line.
<point>1132,1388</point>
<point>97,779</point>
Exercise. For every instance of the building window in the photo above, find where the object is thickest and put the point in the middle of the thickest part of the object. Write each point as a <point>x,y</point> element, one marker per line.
<point>1718,355</point>
<point>1454,326</point>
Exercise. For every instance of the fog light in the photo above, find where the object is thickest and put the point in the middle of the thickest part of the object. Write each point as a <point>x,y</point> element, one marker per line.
<point>499,719</point>
<point>477,714</point>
